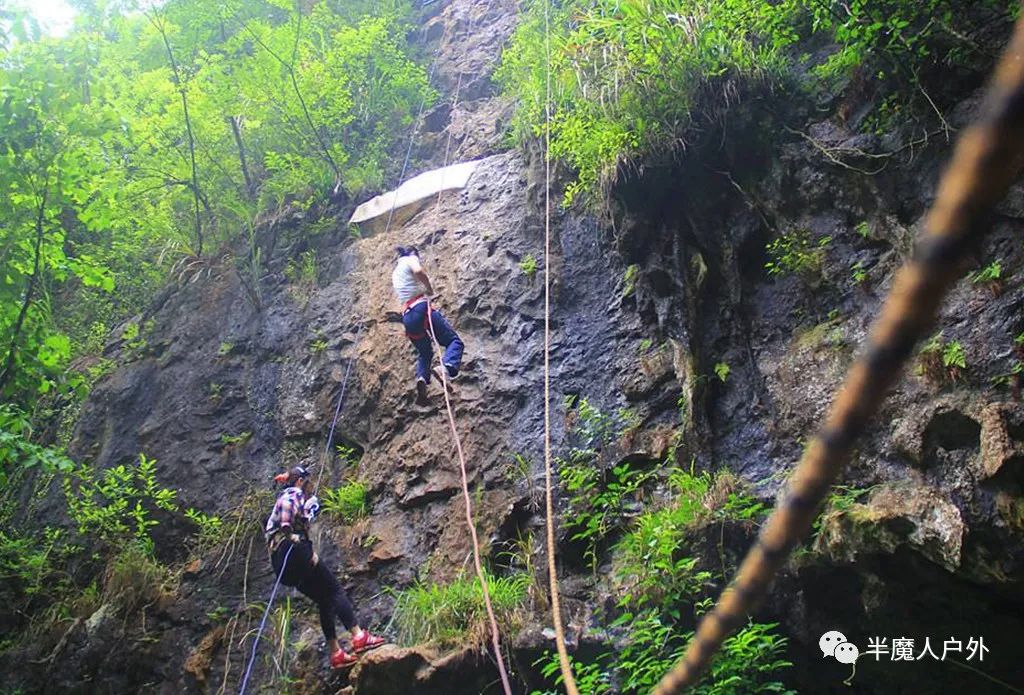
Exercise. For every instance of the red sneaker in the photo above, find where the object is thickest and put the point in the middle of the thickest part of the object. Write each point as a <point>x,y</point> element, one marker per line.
<point>341,659</point>
<point>365,642</point>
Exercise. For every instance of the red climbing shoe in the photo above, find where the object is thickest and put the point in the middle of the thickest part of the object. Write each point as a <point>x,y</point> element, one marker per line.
<point>365,642</point>
<point>341,659</point>
<point>421,393</point>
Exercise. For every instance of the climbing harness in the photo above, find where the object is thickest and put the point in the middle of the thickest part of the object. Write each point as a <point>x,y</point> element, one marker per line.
<point>985,162</point>
<point>564,665</point>
<point>495,636</point>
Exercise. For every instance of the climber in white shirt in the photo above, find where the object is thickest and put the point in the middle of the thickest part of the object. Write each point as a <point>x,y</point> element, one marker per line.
<point>412,286</point>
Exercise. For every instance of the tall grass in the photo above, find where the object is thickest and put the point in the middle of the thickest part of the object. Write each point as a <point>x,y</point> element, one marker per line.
<point>348,501</point>
<point>447,614</point>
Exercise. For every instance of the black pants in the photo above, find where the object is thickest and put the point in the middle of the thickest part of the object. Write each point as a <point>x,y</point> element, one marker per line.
<point>315,581</point>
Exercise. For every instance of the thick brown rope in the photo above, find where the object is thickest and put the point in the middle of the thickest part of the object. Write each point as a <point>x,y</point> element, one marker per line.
<point>495,634</point>
<point>986,161</point>
<point>549,512</point>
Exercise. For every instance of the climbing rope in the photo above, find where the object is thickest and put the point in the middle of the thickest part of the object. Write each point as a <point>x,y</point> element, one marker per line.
<point>985,163</point>
<point>495,636</point>
<point>549,514</point>
<point>263,622</point>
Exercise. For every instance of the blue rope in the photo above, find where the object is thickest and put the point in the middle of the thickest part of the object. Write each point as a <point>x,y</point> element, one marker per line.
<point>263,622</point>
<point>337,412</point>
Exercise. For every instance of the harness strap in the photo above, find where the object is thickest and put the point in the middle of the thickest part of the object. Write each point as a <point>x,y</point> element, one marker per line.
<point>426,319</point>
<point>414,301</point>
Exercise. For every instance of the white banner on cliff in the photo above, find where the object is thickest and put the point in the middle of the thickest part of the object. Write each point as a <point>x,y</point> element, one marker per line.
<point>411,196</point>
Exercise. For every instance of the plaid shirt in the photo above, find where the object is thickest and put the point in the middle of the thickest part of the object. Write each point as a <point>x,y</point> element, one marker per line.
<point>289,510</point>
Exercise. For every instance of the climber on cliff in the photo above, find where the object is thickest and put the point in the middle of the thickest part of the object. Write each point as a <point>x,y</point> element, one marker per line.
<point>295,562</point>
<point>412,286</point>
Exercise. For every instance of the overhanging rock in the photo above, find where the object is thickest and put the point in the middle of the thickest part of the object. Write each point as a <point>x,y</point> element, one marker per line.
<point>411,197</point>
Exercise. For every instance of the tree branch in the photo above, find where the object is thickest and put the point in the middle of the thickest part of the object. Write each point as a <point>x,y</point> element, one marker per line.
<point>30,287</point>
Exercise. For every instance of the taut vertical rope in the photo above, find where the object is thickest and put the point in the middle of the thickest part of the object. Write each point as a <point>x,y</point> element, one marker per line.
<point>549,514</point>
<point>986,160</point>
<point>495,635</point>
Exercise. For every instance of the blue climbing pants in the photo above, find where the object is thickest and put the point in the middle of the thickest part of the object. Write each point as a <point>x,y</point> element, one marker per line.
<point>417,329</point>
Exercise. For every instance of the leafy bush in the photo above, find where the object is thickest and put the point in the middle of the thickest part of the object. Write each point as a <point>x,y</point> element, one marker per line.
<point>116,504</point>
<point>651,566</point>
<point>722,371</point>
<point>348,502</point>
<point>598,498</point>
<point>528,265</point>
<point>941,361</point>
<point>749,661</point>
<point>991,277</point>
<point>795,254</point>
<point>629,77</point>
<point>454,613</point>
<point>18,452</point>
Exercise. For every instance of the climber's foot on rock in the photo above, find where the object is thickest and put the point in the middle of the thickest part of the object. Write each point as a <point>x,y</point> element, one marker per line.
<point>342,659</point>
<point>365,642</point>
<point>421,392</point>
<point>436,371</point>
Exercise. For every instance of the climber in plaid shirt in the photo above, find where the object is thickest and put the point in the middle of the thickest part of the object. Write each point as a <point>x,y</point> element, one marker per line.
<point>290,511</point>
<point>295,564</point>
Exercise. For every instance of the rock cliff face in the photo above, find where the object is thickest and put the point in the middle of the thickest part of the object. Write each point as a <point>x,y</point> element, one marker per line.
<point>228,391</point>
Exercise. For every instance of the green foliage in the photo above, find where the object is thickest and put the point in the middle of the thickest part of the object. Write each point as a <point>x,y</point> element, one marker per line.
<point>235,439</point>
<point>649,559</point>
<point>632,81</point>
<point>749,661</point>
<point>454,613</point>
<point>858,273</point>
<point>629,77</point>
<point>225,349</point>
<point>953,355</point>
<point>990,273</point>
<point>144,139</point>
<point>348,501</point>
<point>301,273</point>
<point>589,423</point>
<point>629,280</point>
<point>528,265</point>
<point>839,501</point>
<point>795,254</point>
<point>591,678</point>
<point>597,499</point>
<point>662,588</point>
<point>722,371</point>
<point>898,34</point>
<point>209,526</point>
<point>347,455</point>
<point>863,229</point>
<point>941,361</point>
<point>18,452</point>
<point>990,276</point>
<point>117,504</point>
<point>30,565</point>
